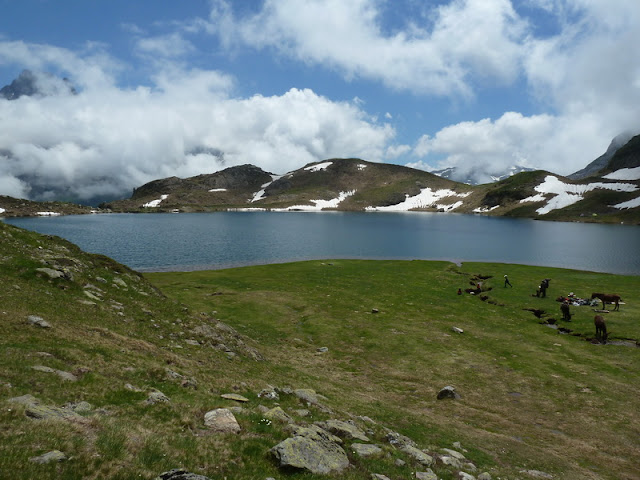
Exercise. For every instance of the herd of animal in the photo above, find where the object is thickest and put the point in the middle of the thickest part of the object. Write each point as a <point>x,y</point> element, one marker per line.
<point>600,324</point>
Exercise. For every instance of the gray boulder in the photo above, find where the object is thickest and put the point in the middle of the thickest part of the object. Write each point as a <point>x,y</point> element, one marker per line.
<point>418,455</point>
<point>38,321</point>
<point>448,392</point>
<point>53,456</point>
<point>312,449</point>
<point>221,420</point>
<point>366,450</point>
<point>343,430</point>
<point>428,475</point>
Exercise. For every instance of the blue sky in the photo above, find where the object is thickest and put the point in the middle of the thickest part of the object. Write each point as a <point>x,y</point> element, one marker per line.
<point>182,88</point>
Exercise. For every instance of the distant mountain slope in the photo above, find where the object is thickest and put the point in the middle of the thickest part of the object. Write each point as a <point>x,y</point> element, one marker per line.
<point>17,207</point>
<point>602,161</point>
<point>30,84</point>
<point>358,185</point>
<point>477,176</point>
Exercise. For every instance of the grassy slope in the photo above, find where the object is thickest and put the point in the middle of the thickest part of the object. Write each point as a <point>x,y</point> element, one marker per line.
<point>530,398</point>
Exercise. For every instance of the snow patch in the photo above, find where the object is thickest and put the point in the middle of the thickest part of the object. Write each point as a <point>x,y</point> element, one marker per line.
<point>318,167</point>
<point>485,209</point>
<point>218,190</point>
<point>48,214</point>
<point>628,204</point>
<point>2,210</point>
<point>318,204</point>
<point>568,194</point>
<point>155,203</point>
<point>259,195</point>
<point>361,166</point>
<point>427,198</point>
<point>624,174</point>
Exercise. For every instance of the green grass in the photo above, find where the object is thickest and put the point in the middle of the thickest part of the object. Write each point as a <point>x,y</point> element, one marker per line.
<point>531,398</point>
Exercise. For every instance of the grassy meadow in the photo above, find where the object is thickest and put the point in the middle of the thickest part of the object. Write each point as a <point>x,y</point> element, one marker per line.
<point>531,398</point>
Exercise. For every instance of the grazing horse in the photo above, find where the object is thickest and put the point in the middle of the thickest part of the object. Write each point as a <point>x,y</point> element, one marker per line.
<point>607,298</point>
<point>601,329</point>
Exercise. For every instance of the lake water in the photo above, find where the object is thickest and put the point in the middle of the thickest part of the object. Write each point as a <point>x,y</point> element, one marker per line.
<point>161,242</point>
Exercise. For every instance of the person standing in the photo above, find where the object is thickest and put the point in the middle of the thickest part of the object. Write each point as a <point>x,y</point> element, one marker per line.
<point>507,282</point>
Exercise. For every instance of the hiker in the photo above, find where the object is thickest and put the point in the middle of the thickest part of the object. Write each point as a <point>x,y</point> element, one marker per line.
<point>566,314</point>
<point>459,291</point>
<point>507,282</point>
<point>542,290</point>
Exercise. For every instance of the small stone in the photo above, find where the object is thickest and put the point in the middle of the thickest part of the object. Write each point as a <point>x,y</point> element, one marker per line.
<point>448,392</point>
<point>365,449</point>
<point>221,420</point>
<point>399,462</point>
<point>465,476</point>
<point>378,476</point>
<point>38,321</point>
<point>235,397</point>
<point>268,393</point>
<point>53,456</point>
<point>537,474</point>
<point>180,474</point>
<point>375,310</point>
<point>323,350</point>
<point>27,399</point>
<point>457,330</point>
<point>156,397</point>
<point>419,455</point>
<point>428,475</point>
<point>484,476</point>
<point>278,414</point>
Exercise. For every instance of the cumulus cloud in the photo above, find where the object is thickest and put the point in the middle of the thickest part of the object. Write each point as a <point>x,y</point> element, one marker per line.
<point>437,55</point>
<point>584,75</point>
<point>104,141</point>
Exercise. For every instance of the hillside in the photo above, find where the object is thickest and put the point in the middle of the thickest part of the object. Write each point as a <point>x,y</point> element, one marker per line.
<point>15,207</point>
<point>356,185</point>
<point>106,374</point>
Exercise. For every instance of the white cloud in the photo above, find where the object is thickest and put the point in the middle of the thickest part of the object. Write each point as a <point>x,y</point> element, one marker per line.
<point>105,140</point>
<point>172,45</point>
<point>434,55</point>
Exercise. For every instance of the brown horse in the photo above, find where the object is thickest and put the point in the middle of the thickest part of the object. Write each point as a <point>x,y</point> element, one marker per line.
<point>607,298</point>
<point>601,329</point>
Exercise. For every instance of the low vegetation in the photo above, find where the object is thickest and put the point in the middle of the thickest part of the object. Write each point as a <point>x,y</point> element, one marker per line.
<point>375,339</point>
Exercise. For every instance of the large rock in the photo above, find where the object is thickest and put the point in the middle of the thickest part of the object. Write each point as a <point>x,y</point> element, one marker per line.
<point>366,449</point>
<point>343,429</point>
<point>53,456</point>
<point>221,420</point>
<point>448,392</point>
<point>45,412</point>
<point>312,449</point>
<point>418,455</point>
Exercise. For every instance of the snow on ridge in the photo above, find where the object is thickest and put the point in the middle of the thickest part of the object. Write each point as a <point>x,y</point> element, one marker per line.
<point>155,203</point>
<point>318,167</point>
<point>2,210</point>
<point>218,190</point>
<point>259,195</point>
<point>567,194</point>
<point>628,204</point>
<point>485,209</point>
<point>624,174</point>
<point>318,204</point>
<point>48,214</point>
<point>425,199</point>
<point>361,166</point>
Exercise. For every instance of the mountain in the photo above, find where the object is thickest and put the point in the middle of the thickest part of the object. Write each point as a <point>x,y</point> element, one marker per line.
<point>17,207</point>
<point>602,161</point>
<point>477,176</point>
<point>31,84</point>
<point>357,185</point>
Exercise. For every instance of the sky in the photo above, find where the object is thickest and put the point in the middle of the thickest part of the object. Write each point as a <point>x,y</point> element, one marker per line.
<point>167,88</point>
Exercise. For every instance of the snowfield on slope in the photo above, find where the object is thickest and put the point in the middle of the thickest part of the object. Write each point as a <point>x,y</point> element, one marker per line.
<point>318,205</point>
<point>566,194</point>
<point>427,198</point>
<point>155,203</point>
<point>624,174</point>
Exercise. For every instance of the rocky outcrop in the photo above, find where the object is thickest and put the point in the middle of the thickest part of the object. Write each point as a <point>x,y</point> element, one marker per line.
<point>221,420</point>
<point>312,449</point>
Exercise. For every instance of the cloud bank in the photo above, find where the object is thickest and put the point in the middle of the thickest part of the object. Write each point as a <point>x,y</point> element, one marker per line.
<point>579,77</point>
